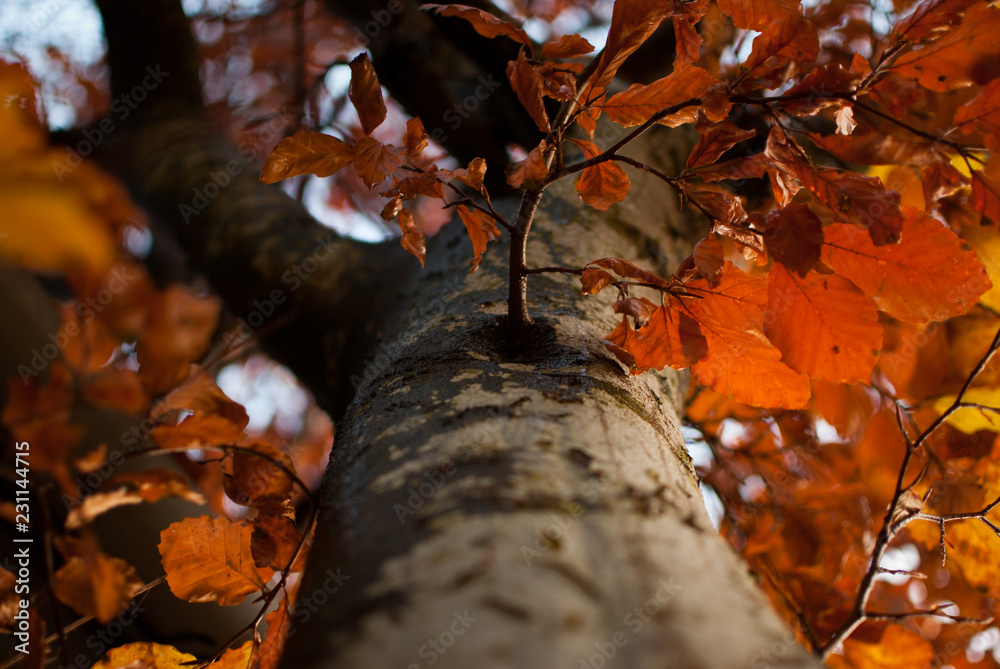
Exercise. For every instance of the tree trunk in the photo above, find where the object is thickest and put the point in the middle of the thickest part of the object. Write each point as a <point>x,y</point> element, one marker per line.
<point>491,500</point>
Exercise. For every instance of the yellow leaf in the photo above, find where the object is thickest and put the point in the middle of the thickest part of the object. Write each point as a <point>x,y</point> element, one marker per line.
<point>968,419</point>
<point>147,655</point>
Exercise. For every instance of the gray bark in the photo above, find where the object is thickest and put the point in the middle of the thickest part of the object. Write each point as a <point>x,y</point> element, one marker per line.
<point>528,483</point>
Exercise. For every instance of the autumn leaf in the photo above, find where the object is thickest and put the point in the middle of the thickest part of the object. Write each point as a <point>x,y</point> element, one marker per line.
<point>594,280</point>
<point>148,486</point>
<point>667,337</point>
<point>628,270</point>
<point>413,239</point>
<point>986,191</point>
<point>200,394</point>
<point>731,318</point>
<point>236,658</point>
<point>823,325</point>
<point>757,14</point>
<point>484,23</point>
<point>197,431</point>
<point>279,629</point>
<point>709,258</point>
<point>366,94</point>
<point>794,236</point>
<point>145,655</point>
<point>969,54</point>
<point>927,276</point>
<point>415,140</point>
<point>209,560</point>
<point>275,540</point>
<point>260,479</point>
<point>374,160</point>
<point>791,39</point>
<point>601,185</point>
<point>525,80</point>
<point>306,152</point>
<point>567,46</point>
<point>639,102</point>
<point>716,139</point>
<point>530,172</point>
<point>96,584</point>
<point>481,228</point>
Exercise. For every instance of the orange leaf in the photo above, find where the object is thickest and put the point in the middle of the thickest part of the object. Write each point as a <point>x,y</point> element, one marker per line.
<point>716,139</point>
<point>927,276</point>
<point>209,560</point>
<point>982,115</point>
<point>629,270</point>
<point>144,655</point>
<point>792,38</point>
<point>366,94</point>
<point>374,160</point>
<point>96,584</point>
<point>530,172</point>
<point>930,19</point>
<point>260,481</point>
<point>279,628</point>
<point>482,22</point>
<point>823,325</point>
<point>306,152</point>
<point>198,431</point>
<point>413,240</point>
<point>636,104</point>
<point>601,185</point>
<point>415,138</point>
<point>757,14</point>
<point>670,337</point>
<point>481,229</point>
<point>281,538</point>
<point>969,54</point>
<point>118,389</point>
<point>688,41</point>
<point>236,658</point>
<point>709,258</point>
<point>149,486</point>
<point>986,191</point>
<point>898,647</point>
<point>731,317</point>
<point>180,329</point>
<point>594,280</point>
<point>567,46</point>
<point>200,394</point>
<point>525,80</point>
<point>473,175</point>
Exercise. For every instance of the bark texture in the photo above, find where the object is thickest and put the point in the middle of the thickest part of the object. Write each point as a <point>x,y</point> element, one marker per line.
<point>493,501</point>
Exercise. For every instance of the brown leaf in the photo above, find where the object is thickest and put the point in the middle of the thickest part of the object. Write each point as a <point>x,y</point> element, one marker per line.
<point>306,152</point>
<point>823,325</point>
<point>198,431</point>
<point>567,46</point>
<point>260,479</point>
<point>628,270</point>
<point>413,239</point>
<point>601,185</point>
<point>279,629</point>
<point>473,175</point>
<point>530,172</point>
<point>791,39</point>
<point>757,14</point>
<point>366,94</point>
<point>639,102</point>
<point>200,394</point>
<point>986,191</point>
<point>716,139</point>
<point>209,560</point>
<point>981,115</point>
<point>481,229</point>
<point>96,584</point>
<point>278,537</point>
<point>182,322</point>
<point>374,160</point>
<point>482,22</point>
<point>794,236</point>
<point>594,280</point>
<point>969,54</point>
<point>149,486</point>
<point>525,80</point>
<point>415,140</point>
<point>927,276</point>
<point>709,259</point>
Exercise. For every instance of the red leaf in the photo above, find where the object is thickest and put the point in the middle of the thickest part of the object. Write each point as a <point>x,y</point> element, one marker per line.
<point>481,229</point>
<point>757,14</point>
<point>413,239</point>
<point>306,152</point>
<point>986,191</point>
<point>484,23</point>
<point>636,104</point>
<point>374,160</point>
<point>688,42</point>
<point>927,276</point>
<point>670,338</point>
<point>823,325</point>
<point>969,54</point>
<point>567,46</point>
<point>525,80</point>
<point>366,94</point>
<point>932,18</point>
<point>601,185</point>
